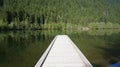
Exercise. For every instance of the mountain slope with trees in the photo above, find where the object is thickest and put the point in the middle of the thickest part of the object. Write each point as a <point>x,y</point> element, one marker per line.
<point>57,14</point>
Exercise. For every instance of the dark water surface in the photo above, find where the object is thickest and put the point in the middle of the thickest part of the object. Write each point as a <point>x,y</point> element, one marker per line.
<point>24,48</point>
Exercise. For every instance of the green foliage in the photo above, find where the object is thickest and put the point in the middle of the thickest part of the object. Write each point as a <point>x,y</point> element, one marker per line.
<point>103,25</point>
<point>37,14</point>
<point>102,32</point>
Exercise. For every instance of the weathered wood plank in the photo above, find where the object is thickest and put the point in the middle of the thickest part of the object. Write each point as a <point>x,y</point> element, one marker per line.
<point>62,52</point>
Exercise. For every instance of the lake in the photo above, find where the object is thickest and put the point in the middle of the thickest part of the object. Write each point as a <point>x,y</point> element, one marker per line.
<point>24,48</point>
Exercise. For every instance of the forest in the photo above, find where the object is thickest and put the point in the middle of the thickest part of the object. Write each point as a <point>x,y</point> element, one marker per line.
<point>59,14</point>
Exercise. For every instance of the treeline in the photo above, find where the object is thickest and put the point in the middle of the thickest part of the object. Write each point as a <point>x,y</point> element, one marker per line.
<point>47,14</point>
<point>103,25</point>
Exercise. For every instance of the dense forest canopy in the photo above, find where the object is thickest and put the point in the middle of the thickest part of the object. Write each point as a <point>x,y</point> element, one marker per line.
<point>24,14</point>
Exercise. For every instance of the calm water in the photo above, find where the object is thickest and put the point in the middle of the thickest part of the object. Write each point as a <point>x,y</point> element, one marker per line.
<point>24,48</point>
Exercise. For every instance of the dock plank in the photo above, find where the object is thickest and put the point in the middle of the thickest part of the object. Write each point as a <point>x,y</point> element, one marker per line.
<point>62,52</point>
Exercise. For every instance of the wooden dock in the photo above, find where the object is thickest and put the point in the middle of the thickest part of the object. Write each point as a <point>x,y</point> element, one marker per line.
<point>62,52</point>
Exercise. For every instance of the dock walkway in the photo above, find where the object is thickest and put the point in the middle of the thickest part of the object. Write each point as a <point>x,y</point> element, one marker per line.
<point>62,52</point>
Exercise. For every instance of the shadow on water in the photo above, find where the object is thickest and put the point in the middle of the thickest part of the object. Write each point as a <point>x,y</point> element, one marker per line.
<point>24,48</point>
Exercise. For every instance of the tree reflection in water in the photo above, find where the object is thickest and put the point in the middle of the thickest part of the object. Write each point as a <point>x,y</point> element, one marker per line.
<point>24,48</point>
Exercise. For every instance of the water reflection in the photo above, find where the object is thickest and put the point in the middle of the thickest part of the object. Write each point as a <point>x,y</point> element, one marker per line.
<point>98,48</point>
<point>24,48</point>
